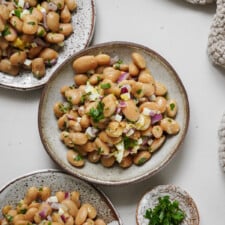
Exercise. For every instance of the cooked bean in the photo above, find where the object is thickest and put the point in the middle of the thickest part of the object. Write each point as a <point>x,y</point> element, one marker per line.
<point>10,35</point>
<point>126,161</point>
<point>157,131</point>
<point>66,29</point>
<point>131,111</point>
<point>102,147</point>
<point>108,161</point>
<point>84,64</point>
<point>52,21</point>
<point>31,2</point>
<point>34,52</point>
<point>103,59</point>
<point>7,67</point>
<point>111,74</point>
<point>44,193</point>
<point>146,77</point>
<point>54,38</point>
<point>73,96</point>
<point>30,213</point>
<point>171,108</point>
<point>138,60</point>
<point>65,15</point>
<point>3,43</point>
<point>137,89</point>
<point>114,129</point>
<point>107,139</point>
<point>16,23</point>
<point>170,126</point>
<point>30,24</point>
<point>149,105</point>
<point>160,88</point>
<point>4,12</point>
<point>38,67</point>
<point>71,4</point>
<point>81,215</point>
<point>141,157</point>
<point>59,3</point>
<point>71,207</point>
<point>143,122</point>
<point>95,79</point>
<point>99,222</point>
<point>157,143</point>
<point>31,195</point>
<point>80,79</point>
<point>94,157</point>
<point>74,126</point>
<point>18,58</point>
<point>133,70</point>
<point>109,105</point>
<point>75,197</point>
<point>48,54</point>
<point>78,138</point>
<point>148,89</point>
<point>162,103</point>
<point>37,14</point>
<point>75,159</point>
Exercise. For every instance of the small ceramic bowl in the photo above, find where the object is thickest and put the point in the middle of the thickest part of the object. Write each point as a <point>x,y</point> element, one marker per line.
<point>150,200</point>
<point>83,21</point>
<point>57,180</point>
<point>50,135</point>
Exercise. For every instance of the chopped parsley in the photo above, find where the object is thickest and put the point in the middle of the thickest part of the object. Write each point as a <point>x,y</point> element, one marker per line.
<point>165,212</point>
<point>78,158</point>
<point>172,106</point>
<point>142,161</point>
<point>31,23</point>
<point>129,143</point>
<point>84,97</point>
<point>97,113</point>
<point>9,218</point>
<point>139,91</point>
<point>64,107</point>
<point>99,151</point>
<point>117,64</point>
<point>41,33</point>
<point>6,31</point>
<point>23,211</point>
<point>17,12</point>
<point>105,85</point>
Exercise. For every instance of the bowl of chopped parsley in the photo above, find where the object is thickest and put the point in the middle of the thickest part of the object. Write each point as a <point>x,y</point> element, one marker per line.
<point>167,205</point>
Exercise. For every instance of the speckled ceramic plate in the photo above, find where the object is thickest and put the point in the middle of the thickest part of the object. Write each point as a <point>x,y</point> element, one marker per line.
<point>49,132</point>
<point>57,180</point>
<point>186,203</point>
<point>83,21</point>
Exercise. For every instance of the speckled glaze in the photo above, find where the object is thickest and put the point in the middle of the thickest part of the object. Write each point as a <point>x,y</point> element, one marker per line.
<point>83,21</point>
<point>57,180</point>
<point>186,203</point>
<point>49,133</point>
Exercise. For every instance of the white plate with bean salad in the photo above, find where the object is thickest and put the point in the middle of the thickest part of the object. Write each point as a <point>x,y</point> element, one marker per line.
<point>36,36</point>
<point>114,113</point>
<point>53,197</point>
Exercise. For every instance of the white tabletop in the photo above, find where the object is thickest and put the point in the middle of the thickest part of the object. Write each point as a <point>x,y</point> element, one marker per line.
<point>179,32</point>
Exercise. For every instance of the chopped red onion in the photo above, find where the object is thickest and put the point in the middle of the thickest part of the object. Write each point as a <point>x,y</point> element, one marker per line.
<point>26,5</point>
<point>67,195</point>
<point>114,60</point>
<point>49,218</point>
<point>63,218</point>
<point>43,213</point>
<point>55,205</point>
<point>156,118</point>
<point>123,76</point>
<point>40,42</point>
<point>122,104</point>
<point>124,90</point>
<point>44,19</point>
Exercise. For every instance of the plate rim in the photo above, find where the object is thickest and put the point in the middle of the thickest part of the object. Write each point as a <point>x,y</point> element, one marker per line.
<point>165,161</point>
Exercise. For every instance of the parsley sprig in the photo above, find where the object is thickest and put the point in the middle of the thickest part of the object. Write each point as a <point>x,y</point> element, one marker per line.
<point>97,113</point>
<point>165,212</point>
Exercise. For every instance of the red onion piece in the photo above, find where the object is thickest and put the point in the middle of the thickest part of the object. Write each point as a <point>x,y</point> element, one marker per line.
<point>43,214</point>
<point>124,90</point>
<point>114,60</point>
<point>63,218</point>
<point>67,195</point>
<point>44,19</point>
<point>156,118</point>
<point>40,42</point>
<point>122,104</point>
<point>123,76</point>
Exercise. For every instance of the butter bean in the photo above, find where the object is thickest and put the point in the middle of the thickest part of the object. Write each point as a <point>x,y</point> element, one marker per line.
<point>171,108</point>
<point>131,111</point>
<point>103,59</point>
<point>54,38</point>
<point>84,64</point>
<point>81,215</point>
<point>65,15</point>
<point>75,159</point>
<point>138,60</point>
<point>7,67</point>
<point>18,58</point>
<point>52,20</point>
<point>141,157</point>
<point>38,67</point>
<point>66,29</point>
<point>170,126</point>
<point>78,138</point>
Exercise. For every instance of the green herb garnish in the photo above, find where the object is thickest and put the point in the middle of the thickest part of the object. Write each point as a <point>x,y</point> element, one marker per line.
<point>97,113</point>
<point>6,31</point>
<point>129,143</point>
<point>9,218</point>
<point>165,213</point>
<point>172,106</point>
<point>31,23</point>
<point>23,211</point>
<point>139,91</point>
<point>78,158</point>
<point>105,85</point>
<point>117,64</point>
<point>142,161</point>
<point>17,12</point>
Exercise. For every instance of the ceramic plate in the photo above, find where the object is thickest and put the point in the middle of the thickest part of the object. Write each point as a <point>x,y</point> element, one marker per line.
<point>13,192</point>
<point>49,132</point>
<point>83,21</point>
<point>186,203</point>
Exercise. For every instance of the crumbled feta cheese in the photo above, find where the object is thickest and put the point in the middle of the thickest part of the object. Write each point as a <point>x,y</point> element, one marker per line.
<point>27,62</point>
<point>119,153</point>
<point>146,111</point>
<point>52,199</point>
<point>118,118</point>
<point>60,211</point>
<point>21,3</point>
<point>140,123</point>
<point>91,132</point>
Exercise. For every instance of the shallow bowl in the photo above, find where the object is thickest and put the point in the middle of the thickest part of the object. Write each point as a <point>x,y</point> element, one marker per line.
<point>49,132</point>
